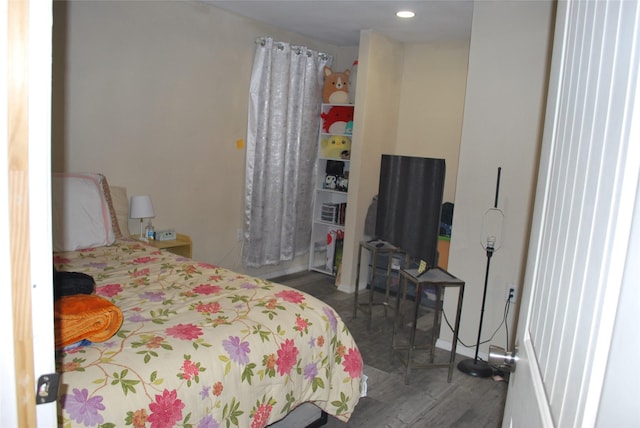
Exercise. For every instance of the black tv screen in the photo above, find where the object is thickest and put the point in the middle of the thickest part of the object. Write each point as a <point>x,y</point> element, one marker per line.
<point>409,204</point>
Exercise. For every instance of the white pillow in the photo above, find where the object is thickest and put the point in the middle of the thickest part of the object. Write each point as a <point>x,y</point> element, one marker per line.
<point>80,212</point>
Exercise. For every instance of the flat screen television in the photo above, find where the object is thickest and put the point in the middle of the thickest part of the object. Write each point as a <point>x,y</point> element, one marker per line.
<point>410,196</point>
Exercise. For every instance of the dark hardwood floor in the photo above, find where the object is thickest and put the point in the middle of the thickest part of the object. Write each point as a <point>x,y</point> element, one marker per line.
<point>428,400</point>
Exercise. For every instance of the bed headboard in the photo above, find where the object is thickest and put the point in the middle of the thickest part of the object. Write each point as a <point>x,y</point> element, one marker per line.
<point>120,204</point>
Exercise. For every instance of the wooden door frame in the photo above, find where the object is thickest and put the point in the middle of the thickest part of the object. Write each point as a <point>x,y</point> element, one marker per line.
<point>18,192</point>
<point>26,165</point>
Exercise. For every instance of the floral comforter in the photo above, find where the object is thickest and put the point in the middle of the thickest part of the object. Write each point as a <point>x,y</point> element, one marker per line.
<point>202,346</point>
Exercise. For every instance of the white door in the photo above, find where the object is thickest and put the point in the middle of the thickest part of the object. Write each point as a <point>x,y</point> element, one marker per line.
<point>587,189</point>
<point>41,246</point>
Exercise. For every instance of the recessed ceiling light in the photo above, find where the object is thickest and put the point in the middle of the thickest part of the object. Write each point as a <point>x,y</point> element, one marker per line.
<point>405,14</point>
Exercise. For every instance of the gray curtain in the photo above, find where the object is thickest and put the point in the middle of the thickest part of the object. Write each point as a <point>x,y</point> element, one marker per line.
<point>282,136</point>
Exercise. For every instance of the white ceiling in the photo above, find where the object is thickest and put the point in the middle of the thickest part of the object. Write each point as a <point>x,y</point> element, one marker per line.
<point>339,22</point>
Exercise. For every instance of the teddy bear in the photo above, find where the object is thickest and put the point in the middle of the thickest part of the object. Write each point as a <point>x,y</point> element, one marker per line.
<point>335,147</point>
<point>336,88</point>
<point>337,119</point>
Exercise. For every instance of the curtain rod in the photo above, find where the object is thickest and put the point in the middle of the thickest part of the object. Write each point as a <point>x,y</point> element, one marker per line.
<point>262,41</point>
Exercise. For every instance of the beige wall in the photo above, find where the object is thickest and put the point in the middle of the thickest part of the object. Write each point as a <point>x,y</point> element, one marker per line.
<point>502,103</point>
<point>431,104</point>
<point>410,100</point>
<point>375,125</point>
<point>503,117</point>
<point>155,95</point>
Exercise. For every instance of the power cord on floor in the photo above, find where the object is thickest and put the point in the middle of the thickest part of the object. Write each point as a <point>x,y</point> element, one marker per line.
<point>504,321</point>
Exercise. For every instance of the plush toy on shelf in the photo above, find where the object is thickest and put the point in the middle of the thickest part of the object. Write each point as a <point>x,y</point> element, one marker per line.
<point>336,87</point>
<point>337,120</point>
<point>330,182</point>
<point>335,147</point>
<point>342,182</point>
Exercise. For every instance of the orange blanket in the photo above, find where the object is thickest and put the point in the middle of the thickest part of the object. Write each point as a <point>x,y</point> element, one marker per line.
<point>85,316</point>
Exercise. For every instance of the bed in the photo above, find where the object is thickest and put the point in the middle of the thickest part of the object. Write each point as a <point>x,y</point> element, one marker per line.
<point>198,345</point>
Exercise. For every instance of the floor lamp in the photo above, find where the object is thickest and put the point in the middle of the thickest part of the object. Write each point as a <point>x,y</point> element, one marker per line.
<point>491,228</point>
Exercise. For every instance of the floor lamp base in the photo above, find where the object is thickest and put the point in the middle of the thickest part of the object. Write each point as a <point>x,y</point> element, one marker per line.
<point>477,368</point>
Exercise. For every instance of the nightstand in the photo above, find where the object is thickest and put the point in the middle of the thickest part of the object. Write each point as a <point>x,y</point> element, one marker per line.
<point>180,246</point>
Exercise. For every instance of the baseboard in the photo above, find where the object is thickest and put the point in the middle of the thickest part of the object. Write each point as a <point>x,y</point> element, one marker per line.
<point>346,289</point>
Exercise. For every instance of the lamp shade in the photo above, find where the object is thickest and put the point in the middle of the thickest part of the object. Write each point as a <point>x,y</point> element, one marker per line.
<point>141,207</point>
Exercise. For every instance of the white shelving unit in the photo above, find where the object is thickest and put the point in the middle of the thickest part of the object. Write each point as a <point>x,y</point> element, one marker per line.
<point>330,198</point>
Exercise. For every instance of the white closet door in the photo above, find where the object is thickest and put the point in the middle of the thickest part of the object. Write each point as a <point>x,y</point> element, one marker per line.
<point>587,188</point>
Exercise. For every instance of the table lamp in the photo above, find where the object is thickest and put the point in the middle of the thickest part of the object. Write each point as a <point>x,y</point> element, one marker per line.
<point>141,207</point>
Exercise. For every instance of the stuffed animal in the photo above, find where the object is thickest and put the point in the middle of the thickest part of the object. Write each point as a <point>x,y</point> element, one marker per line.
<point>335,121</point>
<point>335,147</point>
<point>348,130</point>
<point>336,88</point>
<point>342,183</point>
<point>330,182</point>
